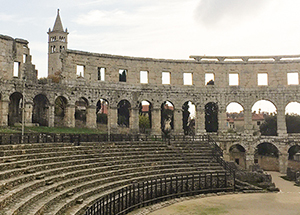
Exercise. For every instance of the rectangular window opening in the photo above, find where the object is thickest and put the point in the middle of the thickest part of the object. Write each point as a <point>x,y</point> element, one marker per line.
<point>187,78</point>
<point>101,74</point>
<point>80,71</point>
<point>144,77</point>
<point>292,78</point>
<point>234,79</point>
<point>166,77</point>
<point>24,58</point>
<point>16,69</point>
<point>262,79</point>
<point>209,79</point>
<point>123,75</point>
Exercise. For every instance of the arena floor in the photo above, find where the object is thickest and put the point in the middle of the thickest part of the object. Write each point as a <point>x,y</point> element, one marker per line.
<point>286,202</point>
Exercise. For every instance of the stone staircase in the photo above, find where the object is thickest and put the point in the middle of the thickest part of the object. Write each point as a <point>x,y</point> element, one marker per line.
<point>60,178</point>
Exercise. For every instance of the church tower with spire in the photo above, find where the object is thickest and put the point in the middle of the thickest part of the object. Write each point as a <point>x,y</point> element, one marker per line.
<point>57,42</point>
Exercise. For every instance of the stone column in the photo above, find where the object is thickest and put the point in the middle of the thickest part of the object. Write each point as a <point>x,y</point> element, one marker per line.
<point>50,113</point>
<point>28,113</point>
<point>4,113</point>
<point>222,119</point>
<point>283,162</point>
<point>134,120</point>
<point>69,119</point>
<point>248,127</point>
<point>200,121</point>
<point>91,117</point>
<point>178,122</point>
<point>156,121</point>
<point>113,119</point>
<point>281,123</point>
<point>249,159</point>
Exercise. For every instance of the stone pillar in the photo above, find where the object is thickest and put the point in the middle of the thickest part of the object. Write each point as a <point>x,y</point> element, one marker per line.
<point>4,113</point>
<point>283,162</point>
<point>249,159</point>
<point>222,119</point>
<point>178,128</point>
<point>28,113</point>
<point>91,117</point>
<point>200,121</point>
<point>69,119</point>
<point>248,127</point>
<point>50,113</point>
<point>113,120</point>
<point>156,121</point>
<point>281,123</point>
<point>134,120</point>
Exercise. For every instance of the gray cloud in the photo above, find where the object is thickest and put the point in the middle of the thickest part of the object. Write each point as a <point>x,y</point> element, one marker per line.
<point>212,12</point>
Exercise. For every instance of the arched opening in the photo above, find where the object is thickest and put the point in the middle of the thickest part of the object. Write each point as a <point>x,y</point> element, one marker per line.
<point>264,117</point>
<point>237,154</point>
<point>292,117</point>
<point>188,118</point>
<point>80,112</point>
<point>15,108</point>
<point>40,112</point>
<point>294,153</point>
<point>60,106</point>
<point>266,155</point>
<point>102,109</point>
<point>167,117</point>
<point>211,117</point>
<point>145,117</point>
<point>235,117</point>
<point>124,113</point>
<point>294,157</point>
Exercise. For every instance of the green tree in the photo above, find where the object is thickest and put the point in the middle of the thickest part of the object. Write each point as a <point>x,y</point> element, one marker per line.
<point>292,123</point>
<point>144,122</point>
<point>269,126</point>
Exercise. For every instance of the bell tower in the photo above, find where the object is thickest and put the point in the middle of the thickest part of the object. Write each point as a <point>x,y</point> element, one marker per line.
<point>57,43</point>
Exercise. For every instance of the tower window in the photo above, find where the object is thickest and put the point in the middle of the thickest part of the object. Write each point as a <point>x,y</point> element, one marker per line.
<point>101,74</point>
<point>24,58</point>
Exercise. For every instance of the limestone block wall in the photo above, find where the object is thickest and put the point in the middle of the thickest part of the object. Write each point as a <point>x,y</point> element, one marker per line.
<point>15,50</point>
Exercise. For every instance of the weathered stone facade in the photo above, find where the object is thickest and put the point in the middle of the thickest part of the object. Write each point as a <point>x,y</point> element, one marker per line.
<point>41,95</point>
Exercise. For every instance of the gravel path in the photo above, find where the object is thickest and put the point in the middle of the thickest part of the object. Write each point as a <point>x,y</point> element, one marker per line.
<point>286,202</point>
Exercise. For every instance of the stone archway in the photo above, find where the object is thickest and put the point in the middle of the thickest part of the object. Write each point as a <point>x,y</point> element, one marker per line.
<point>60,106</point>
<point>40,113</point>
<point>124,110</point>
<point>145,116</point>
<point>211,117</point>
<point>167,117</point>
<point>81,112</point>
<point>238,155</point>
<point>15,108</point>
<point>267,156</point>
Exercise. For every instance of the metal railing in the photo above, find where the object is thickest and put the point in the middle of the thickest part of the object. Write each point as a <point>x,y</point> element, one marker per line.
<point>141,194</point>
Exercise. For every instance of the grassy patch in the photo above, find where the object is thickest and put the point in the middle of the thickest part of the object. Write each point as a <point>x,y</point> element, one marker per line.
<point>8,130</point>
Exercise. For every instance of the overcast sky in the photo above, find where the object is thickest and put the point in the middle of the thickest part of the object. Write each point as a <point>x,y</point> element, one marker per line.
<point>172,29</point>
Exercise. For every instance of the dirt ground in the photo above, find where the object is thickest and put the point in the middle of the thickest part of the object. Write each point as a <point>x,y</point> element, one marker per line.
<point>286,202</point>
